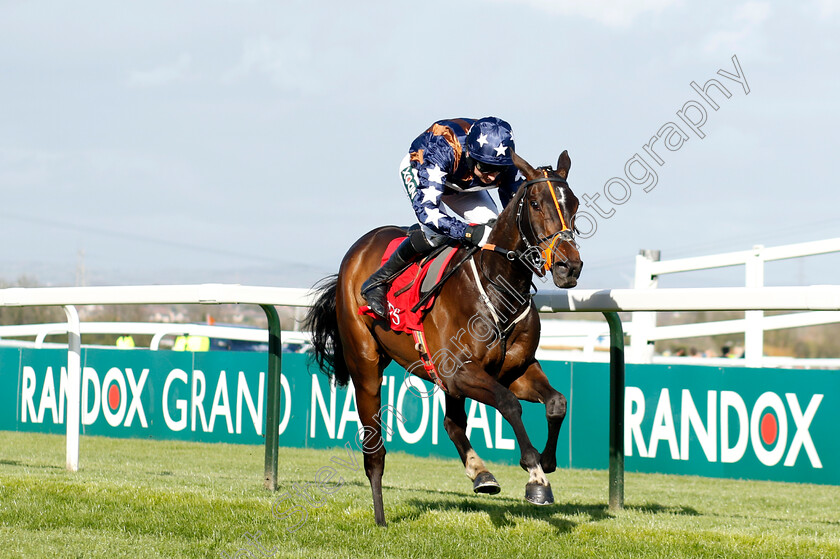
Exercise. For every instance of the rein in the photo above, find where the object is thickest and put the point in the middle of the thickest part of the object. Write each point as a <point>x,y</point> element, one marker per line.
<point>536,260</point>
<point>539,261</point>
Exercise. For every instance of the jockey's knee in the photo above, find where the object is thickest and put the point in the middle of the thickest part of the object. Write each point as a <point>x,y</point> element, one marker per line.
<point>430,237</point>
<point>419,242</point>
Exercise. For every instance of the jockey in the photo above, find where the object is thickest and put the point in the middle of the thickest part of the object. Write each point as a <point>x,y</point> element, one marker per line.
<point>449,168</point>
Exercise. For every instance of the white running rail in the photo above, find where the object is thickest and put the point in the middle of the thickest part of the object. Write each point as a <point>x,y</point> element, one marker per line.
<point>649,268</point>
<point>157,330</point>
<point>815,297</point>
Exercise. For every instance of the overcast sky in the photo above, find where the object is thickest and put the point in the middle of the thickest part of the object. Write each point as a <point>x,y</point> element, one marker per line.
<point>253,142</point>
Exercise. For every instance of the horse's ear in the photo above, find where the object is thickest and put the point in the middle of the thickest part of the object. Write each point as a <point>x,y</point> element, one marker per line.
<point>564,163</point>
<point>525,167</point>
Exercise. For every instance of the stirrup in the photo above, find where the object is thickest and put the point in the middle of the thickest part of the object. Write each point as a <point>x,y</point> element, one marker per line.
<point>375,298</point>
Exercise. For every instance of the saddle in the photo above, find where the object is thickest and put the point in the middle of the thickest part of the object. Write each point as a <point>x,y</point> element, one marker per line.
<point>412,293</point>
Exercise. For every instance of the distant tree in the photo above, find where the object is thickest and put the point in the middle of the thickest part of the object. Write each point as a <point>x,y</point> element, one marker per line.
<point>28,315</point>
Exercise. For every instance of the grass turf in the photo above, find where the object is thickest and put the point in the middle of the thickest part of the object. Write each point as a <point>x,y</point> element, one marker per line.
<point>137,498</point>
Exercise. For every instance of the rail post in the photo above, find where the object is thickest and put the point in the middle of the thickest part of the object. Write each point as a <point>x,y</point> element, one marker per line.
<point>272,412</point>
<point>616,411</point>
<point>754,327</point>
<point>74,387</point>
<point>644,323</point>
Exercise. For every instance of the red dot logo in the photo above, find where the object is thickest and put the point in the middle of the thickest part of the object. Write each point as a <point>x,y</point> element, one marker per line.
<point>114,397</point>
<point>769,429</point>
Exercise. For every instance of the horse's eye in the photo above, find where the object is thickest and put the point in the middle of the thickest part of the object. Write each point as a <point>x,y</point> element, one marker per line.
<point>535,204</point>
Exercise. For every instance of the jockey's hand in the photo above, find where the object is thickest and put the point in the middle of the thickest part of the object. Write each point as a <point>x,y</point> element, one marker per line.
<point>477,235</point>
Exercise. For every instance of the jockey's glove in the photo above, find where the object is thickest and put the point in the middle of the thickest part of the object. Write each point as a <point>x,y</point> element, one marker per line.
<point>477,235</point>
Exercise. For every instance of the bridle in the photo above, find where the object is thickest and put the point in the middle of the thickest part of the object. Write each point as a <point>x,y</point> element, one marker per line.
<point>533,258</point>
<point>538,260</point>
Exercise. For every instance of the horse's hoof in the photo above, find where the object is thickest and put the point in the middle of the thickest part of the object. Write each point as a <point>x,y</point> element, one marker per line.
<point>539,494</point>
<point>486,483</point>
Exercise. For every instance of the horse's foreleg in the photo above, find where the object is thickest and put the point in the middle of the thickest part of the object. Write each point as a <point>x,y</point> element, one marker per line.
<point>478,385</point>
<point>455,424</point>
<point>533,386</point>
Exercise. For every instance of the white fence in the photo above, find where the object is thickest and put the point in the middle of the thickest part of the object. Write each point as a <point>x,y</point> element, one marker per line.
<point>158,331</point>
<point>649,269</point>
<point>70,297</point>
<point>826,298</point>
<point>557,340</point>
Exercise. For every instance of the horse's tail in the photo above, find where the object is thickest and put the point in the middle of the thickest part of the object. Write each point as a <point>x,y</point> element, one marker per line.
<point>322,321</point>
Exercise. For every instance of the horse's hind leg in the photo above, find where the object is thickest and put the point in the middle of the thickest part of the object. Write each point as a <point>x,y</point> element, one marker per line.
<point>533,386</point>
<point>455,423</point>
<point>365,364</point>
<point>368,402</point>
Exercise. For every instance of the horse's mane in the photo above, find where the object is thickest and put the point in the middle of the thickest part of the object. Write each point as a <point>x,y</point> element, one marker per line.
<point>517,197</point>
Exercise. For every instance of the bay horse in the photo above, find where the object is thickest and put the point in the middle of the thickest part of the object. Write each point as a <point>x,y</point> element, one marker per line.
<point>533,234</point>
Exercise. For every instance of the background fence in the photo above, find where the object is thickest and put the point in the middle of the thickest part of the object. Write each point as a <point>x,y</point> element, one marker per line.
<point>649,269</point>
<point>771,414</point>
<point>718,422</point>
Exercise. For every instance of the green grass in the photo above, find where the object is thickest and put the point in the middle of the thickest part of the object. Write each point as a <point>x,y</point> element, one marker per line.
<point>136,498</point>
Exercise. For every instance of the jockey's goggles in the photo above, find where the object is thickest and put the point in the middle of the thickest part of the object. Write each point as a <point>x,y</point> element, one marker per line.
<point>489,169</point>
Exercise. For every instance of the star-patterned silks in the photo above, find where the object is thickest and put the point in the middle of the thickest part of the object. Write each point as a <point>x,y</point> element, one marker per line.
<point>431,195</point>
<point>434,215</point>
<point>435,174</point>
<point>437,157</point>
<point>519,176</point>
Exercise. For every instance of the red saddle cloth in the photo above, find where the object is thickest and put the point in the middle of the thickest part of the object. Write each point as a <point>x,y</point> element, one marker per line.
<point>399,306</point>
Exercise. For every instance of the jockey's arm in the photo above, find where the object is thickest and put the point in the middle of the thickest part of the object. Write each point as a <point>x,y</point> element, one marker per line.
<point>427,203</point>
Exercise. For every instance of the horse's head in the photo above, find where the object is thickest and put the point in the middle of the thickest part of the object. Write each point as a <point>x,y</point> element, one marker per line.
<point>545,218</point>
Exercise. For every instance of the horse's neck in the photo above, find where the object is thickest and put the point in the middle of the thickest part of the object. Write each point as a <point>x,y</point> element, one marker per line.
<point>496,269</point>
<point>505,233</point>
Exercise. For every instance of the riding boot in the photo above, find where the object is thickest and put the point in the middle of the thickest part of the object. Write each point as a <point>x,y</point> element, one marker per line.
<point>375,288</point>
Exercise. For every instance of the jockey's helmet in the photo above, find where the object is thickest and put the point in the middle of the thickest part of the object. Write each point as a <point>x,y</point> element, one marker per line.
<point>490,141</point>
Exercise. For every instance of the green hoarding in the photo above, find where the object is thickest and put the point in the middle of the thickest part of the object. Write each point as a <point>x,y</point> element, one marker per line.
<point>719,422</point>
<point>747,423</point>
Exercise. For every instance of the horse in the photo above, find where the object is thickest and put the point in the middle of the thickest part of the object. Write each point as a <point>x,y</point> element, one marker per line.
<point>533,234</point>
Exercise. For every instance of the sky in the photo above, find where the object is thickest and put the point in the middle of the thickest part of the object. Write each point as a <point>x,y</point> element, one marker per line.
<point>253,142</point>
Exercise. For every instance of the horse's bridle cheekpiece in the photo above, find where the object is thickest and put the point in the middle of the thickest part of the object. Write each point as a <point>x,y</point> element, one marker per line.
<point>539,260</point>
